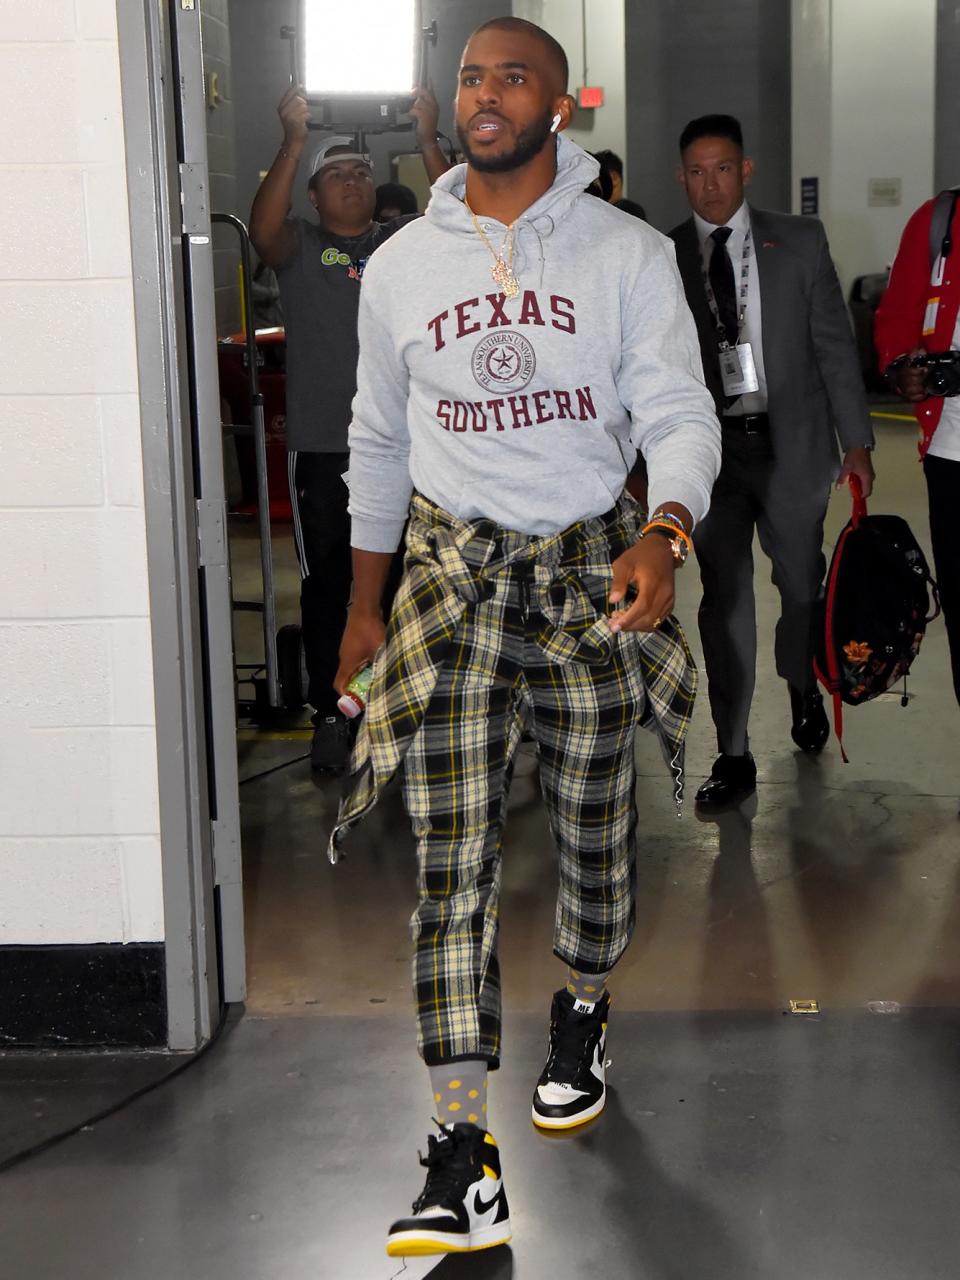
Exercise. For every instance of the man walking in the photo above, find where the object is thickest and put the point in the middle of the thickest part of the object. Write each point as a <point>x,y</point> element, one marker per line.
<point>517,346</point>
<point>779,356</point>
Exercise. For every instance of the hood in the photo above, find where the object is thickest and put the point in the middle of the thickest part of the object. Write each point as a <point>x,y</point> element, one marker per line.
<point>575,171</point>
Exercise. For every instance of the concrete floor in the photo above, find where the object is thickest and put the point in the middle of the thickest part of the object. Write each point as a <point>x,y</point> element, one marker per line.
<point>740,1141</point>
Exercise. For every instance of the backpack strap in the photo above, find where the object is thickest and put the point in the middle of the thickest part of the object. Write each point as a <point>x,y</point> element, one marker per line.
<point>941,225</point>
<point>935,592</point>
<point>859,501</point>
<point>838,724</point>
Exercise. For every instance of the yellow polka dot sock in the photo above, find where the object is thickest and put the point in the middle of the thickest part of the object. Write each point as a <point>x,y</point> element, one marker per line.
<point>586,988</point>
<point>460,1092</point>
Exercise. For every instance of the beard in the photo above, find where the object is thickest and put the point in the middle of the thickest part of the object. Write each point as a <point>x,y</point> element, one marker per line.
<point>529,143</point>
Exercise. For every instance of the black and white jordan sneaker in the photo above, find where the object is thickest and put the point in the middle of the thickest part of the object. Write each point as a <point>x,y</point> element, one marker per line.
<point>572,1089</point>
<point>463,1205</point>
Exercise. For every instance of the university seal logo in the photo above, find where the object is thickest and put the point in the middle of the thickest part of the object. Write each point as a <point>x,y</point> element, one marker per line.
<point>504,362</point>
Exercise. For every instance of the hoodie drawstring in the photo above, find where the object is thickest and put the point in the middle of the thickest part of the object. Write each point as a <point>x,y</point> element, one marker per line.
<point>532,224</point>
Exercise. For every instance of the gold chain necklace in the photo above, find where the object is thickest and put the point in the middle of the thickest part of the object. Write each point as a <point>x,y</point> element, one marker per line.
<point>502,270</point>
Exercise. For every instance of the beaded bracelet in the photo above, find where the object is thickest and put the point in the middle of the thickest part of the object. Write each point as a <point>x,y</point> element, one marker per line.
<point>660,516</point>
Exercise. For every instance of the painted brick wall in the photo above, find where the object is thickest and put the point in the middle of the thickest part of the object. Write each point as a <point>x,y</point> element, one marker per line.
<point>79,829</point>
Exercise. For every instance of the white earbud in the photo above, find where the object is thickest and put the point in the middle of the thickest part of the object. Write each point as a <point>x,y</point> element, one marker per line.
<point>556,123</point>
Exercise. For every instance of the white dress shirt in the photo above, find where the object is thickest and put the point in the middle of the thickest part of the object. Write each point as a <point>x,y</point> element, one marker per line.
<point>739,224</point>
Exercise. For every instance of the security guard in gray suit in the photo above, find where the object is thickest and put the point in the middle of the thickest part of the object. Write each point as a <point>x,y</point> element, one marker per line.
<point>779,357</point>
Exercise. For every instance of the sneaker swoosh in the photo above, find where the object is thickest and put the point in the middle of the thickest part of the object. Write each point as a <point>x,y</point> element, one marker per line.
<point>481,1206</point>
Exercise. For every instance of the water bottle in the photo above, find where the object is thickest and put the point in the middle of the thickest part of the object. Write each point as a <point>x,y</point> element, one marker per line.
<point>354,700</point>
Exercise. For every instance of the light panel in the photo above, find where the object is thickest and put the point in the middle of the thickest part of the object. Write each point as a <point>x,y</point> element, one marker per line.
<point>367,47</point>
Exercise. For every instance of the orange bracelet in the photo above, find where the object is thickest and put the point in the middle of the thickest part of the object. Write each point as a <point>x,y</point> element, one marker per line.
<point>671,528</point>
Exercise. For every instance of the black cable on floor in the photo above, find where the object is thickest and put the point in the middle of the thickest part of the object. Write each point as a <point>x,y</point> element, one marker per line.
<point>264,773</point>
<point>55,1139</point>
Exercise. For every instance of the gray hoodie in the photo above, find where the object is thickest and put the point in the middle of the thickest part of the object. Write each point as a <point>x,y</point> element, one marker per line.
<point>527,411</point>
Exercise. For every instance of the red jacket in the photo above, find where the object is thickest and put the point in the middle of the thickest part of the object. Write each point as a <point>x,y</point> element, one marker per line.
<point>911,300</point>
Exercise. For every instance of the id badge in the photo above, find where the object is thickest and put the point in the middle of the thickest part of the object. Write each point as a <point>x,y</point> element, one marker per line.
<point>738,371</point>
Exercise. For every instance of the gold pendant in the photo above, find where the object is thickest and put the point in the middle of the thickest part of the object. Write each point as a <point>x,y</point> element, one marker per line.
<point>505,278</point>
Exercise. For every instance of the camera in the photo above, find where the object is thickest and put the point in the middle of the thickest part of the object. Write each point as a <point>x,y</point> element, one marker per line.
<point>941,372</point>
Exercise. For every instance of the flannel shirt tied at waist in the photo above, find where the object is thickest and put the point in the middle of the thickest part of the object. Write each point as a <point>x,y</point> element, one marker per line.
<point>451,564</point>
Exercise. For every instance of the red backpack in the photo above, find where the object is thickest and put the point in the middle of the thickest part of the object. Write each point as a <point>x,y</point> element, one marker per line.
<point>875,609</point>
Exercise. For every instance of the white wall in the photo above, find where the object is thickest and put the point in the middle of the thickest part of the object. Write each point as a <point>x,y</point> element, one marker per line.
<point>605,64</point>
<point>863,107</point>
<point>79,827</point>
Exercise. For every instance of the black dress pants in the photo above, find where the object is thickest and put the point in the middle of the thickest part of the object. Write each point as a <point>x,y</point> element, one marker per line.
<point>788,519</point>
<point>321,531</point>
<point>943,491</point>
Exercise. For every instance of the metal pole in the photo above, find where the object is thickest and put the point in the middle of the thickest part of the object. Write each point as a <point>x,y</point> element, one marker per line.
<point>260,451</point>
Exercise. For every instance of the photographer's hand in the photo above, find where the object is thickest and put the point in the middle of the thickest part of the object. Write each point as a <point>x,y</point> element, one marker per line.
<point>273,235</point>
<point>426,113</point>
<point>909,378</point>
<point>294,116</point>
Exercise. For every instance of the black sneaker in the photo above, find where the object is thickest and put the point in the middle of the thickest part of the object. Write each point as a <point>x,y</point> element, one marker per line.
<point>463,1205</point>
<point>572,1089</point>
<point>330,748</point>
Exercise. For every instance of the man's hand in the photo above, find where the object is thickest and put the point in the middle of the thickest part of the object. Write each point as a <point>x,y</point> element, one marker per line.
<point>908,379</point>
<point>294,114</point>
<point>362,637</point>
<point>649,568</point>
<point>426,113</point>
<point>272,234</point>
<point>857,462</point>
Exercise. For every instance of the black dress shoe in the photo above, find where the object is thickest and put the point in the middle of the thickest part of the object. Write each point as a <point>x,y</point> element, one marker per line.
<point>811,728</point>
<point>731,780</point>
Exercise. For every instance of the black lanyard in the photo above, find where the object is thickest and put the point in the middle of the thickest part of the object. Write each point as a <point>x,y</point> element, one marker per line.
<point>743,290</point>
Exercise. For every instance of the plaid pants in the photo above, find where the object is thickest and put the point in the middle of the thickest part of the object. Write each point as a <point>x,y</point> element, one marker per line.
<point>496,680</point>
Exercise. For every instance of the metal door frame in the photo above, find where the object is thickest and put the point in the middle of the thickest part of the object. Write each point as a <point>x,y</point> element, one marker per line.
<point>185,506</point>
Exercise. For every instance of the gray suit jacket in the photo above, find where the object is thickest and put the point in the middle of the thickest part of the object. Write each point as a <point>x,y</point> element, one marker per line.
<point>815,392</point>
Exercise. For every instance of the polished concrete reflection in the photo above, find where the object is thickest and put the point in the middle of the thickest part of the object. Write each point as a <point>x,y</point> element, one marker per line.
<point>735,1146</point>
<point>740,1140</point>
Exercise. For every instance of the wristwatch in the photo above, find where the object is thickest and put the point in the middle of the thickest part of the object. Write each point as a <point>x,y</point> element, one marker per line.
<point>678,545</point>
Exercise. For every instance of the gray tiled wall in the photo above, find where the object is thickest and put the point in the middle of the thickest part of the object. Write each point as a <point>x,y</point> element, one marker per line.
<point>686,58</point>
